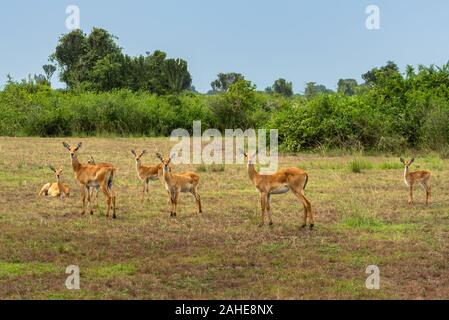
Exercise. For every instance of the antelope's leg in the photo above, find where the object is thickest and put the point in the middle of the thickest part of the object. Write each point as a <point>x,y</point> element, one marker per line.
<point>198,199</point>
<point>105,190</point>
<point>263,205</point>
<point>310,212</point>
<point>307,209</point>
<point>428,193</point>
<point>143,190</point>
<point>175,202</point>
<point>83,198</point>
<point>172,203</point>
<point>410,194</point>
<point>44,189</point>
<point>269,209</point>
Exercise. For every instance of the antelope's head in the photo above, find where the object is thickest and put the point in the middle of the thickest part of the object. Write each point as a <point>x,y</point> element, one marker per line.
<point>250,158</point>
<point>137,156</point>
<point>58,172</point>
<point>91,160</point>
<point>72,150</point>
<point>407,164</point>
<point>166,167</point>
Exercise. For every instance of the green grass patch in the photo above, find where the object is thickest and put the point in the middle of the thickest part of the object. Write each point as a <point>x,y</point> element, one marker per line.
<point>390,165</point>
<point>362,221</point>
<point>16,269</point>
<point>358,165</point>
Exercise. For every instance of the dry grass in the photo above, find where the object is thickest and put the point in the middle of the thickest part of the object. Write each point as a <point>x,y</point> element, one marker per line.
<point>361,219</point>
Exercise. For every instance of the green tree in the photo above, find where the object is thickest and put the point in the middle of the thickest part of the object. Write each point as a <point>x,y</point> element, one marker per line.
<point>177,75</point>
<point>283,87</point>
<point>49,70</point>
<point>233,108</point>
<point>347,86</point>
<point>312,89</point>
<point>225,80</point>
<point>69,54</point>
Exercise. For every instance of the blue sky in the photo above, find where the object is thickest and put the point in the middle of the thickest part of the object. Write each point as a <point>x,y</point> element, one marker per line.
<point>301,41</point>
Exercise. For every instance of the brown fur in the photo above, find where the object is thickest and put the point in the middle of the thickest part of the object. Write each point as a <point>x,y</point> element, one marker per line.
<point>90,174</point>
<point>177,183</point>
<point>55,189</point>
<point>284,180</point>
<point>421,177</point>
<point>146,173</point>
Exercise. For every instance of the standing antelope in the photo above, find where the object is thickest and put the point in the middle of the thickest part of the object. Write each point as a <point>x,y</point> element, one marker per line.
<point>95,189</point>
<point>91,176</point>
<point>55,189</point>
<point>422,177</point>
<point>280,182</point>
<point>177,183</point>
<point>145,173</point>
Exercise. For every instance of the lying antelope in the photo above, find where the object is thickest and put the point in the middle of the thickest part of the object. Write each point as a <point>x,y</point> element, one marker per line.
<point>145,173</point>
<point>55,189</point>
<point>422,177</point>
<point>280,182</point>
<point>177,183</point>
<point>92,176</point>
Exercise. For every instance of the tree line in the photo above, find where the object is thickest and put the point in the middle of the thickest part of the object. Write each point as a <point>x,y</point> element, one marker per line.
<point>111,92</point>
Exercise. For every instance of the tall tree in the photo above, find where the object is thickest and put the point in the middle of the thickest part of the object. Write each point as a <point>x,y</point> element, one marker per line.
<point>347,86</point>
<point>69,53</point>
<point>49,70</point>
<point>312,89</point>
<point>225,80</point>
<point>283,87</point>
<point>177,75</point>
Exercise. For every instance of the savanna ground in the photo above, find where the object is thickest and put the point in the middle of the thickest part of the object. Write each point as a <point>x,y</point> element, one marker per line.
<point>361,219</point>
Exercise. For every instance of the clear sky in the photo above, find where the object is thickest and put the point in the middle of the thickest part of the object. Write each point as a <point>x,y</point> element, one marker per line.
<point>319,40</point>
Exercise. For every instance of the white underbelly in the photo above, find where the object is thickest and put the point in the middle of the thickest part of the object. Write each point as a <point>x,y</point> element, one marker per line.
<point>186,188</point>
<point>93,184</point>
<point>280,190</point>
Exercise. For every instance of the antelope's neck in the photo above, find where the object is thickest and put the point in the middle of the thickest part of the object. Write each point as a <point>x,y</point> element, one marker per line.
<point>167,176</point>
<point>252,173</point>
<point>138,167</point>
<point>406,174</point>
<point>76,165</point>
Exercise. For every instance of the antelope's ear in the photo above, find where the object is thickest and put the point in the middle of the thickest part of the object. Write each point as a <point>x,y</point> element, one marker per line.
<point>143,152</point>
<point>412,160</point>
<point>402,160</point>
<point>79,145</point>
<point>133,152</point>
<point>66,145</point>
<point>52,168</point>
<point>159,156</point>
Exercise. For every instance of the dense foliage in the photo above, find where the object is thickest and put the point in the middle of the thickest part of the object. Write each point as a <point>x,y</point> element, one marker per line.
<point>111,93</point>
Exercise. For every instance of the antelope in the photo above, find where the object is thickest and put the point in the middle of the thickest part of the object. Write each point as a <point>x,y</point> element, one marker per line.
<point>280,182</point>
<point>91,190</point>
<point>91,176</point>
<point>55,189</point>
<point>145,173</point>
<point>177,183</point>
<point>410,178</point>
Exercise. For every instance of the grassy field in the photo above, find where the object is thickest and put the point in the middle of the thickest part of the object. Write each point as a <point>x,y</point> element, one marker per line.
<point>361,219</point>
